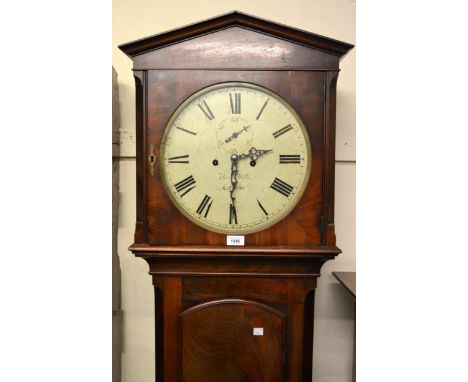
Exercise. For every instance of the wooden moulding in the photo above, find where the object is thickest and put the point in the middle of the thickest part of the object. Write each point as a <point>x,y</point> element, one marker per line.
<point>298,36</point>
<point>214,251</point>
<point>236,41</point>
<point>235,262</point>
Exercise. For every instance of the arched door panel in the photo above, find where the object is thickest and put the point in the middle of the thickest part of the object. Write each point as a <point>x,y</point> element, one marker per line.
<point>232,340</point>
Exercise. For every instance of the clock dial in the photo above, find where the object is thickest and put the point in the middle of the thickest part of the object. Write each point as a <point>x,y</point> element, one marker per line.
<point>235,158</point>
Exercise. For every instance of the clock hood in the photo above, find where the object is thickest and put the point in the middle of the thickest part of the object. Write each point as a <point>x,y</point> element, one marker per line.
<point>235,34</point>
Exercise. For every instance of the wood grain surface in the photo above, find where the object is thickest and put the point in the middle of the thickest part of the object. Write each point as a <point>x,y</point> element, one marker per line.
<point>218,342</point>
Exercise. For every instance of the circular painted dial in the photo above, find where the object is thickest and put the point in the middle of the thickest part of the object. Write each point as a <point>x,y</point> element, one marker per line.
<point>235,158</point>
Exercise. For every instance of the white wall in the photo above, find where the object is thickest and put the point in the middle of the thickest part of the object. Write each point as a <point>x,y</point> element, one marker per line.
<point>334,310</point>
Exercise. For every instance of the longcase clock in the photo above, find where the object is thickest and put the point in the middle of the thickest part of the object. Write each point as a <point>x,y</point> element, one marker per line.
<point>235,123</point>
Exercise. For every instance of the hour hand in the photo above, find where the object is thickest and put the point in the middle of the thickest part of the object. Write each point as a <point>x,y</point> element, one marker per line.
<point>235,134</point>
<point>254,154</point>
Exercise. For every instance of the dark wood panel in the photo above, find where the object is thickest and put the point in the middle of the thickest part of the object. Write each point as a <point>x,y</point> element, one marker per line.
<point>218,342</point>
<point>225,266</point>
<point>140,130</point>
<point>167,89</point>
<point>236,48</point>
<point>172,296</point>
<point>198,290</point>
<point>308,337</point>
<point>159,331</point>
<point>329,139</point>
<point>288,298</point>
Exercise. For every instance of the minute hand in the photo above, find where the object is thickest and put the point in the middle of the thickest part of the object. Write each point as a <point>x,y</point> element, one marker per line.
<point>234,161</point>
<point>254,154</point>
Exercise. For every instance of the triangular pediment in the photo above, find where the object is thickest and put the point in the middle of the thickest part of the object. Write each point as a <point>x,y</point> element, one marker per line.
<point>235,37</point>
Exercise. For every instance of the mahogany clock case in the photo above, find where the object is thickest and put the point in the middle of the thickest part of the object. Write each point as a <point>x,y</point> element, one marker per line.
<point>210,298</point>
<point>299,66</point>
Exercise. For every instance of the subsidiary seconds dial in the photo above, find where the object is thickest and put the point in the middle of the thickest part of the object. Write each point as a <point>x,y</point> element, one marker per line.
<point>235,158</point>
